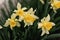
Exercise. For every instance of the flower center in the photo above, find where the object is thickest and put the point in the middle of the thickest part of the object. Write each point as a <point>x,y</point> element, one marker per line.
<point>29,18</point>
<point>47,25</point>
<point>57,4</point>
<point>12,23</point>
<point>20,12</point>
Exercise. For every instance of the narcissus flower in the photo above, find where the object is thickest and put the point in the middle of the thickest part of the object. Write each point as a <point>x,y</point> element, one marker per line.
<point>55,4</point>
<point>12,22</point>
<point>46,25</point>
<point>29,17</point>
<point>20,11</point>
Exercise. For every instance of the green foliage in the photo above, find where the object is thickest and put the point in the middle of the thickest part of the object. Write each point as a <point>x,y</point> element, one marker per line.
<point>31,32</point>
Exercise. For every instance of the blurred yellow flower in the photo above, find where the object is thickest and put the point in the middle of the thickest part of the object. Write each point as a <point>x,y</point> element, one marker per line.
<point>12,22</point>
<point>20,11</point>
<point>45,25</point>
<point>55,4</point>
<point>29,17</point>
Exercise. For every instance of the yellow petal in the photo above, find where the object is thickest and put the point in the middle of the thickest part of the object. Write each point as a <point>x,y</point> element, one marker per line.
<point>39,25</point>
<point>1,27</point>
<point>42,1</point>
<point>24,8</point>
<point>15,11</point>
<point>21,18</point>
<point>43,19</point>
<point>43,32</point>
<point>53,24</point>
<point>13,16</point>
<point>18,24</point>
<point>18,6</point>
<point>33,12</point>
<point>47,18</point>
<point>25,24</point>
<point>6,23</point>
<point>35,16</point>
<point>47,32</point>
<point>30,10</point>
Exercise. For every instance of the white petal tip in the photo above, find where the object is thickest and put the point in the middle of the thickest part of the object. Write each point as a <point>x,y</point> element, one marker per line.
<point>42,33</point>
<point>1,27</point>
<point>18,5</point>
<point>47,33</point>
<point>42,1</point>
<point>39,25</point>
<point>24,8</point>
<point>53,24</point>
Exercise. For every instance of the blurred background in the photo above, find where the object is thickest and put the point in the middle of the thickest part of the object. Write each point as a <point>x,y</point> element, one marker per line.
<point>4,4</point>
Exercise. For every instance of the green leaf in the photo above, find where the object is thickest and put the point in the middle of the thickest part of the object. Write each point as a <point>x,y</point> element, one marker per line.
<point>53,36</point>
<point>57,19</point>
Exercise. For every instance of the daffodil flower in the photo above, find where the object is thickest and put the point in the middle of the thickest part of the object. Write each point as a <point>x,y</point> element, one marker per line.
<point>46,25</point>
<point>20,11</point>
<point>55,5</point>
<point>29,17</point>
<point>12,22</point>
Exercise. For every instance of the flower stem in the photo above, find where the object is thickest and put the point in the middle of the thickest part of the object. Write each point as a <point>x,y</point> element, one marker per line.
<point>46,7</point>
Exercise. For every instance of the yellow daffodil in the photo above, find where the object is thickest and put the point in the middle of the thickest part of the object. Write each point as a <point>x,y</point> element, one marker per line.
<point>12,22</point>
<point>46,25</point>
<point>29,17</point>
<point>20,11</point>
<point>55,4</point>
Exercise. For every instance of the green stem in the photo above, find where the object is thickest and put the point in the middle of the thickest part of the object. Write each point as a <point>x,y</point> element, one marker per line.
<point>44,38</point>
<point>26,32</point>
<point>14,34</point>
<point>53,16</point>
<point>46,7</point>
<point>53,36</point>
